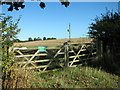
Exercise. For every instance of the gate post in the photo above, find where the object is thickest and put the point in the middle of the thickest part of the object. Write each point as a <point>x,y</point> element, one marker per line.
<point>66,54</point>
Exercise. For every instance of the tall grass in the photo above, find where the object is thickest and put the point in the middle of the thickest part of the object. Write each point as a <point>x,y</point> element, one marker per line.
<point>79,77</point>
<point>13,76</point>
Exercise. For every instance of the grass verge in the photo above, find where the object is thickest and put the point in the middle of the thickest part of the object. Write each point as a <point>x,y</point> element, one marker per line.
<point>78,77</point>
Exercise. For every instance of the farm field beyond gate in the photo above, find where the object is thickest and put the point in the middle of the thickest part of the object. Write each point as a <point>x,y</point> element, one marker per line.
<point>52,43</point>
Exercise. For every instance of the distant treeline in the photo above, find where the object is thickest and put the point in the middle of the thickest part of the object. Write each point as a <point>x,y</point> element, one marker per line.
<point>34,39</point>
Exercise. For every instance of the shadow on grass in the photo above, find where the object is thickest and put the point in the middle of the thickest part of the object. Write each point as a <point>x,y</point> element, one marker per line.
<point>109,64</point>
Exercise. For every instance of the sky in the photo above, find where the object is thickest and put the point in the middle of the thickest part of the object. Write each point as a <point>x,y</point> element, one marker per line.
<point>54,19</point>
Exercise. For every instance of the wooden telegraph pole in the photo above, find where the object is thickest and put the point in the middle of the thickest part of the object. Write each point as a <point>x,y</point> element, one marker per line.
<point>69,32</point>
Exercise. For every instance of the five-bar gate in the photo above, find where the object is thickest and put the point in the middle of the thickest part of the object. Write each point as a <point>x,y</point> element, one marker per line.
<point>50,59</point>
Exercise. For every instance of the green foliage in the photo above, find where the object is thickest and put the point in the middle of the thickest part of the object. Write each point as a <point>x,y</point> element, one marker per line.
<point>42,5</point>
<point>107,27</point>
<point>9,30</point>
<point>7,66</point>
<point>8,33</point>
<point>14,5</point>
<point>37,39</point>
<point>65,2</point>
<point>44,38</point>
<point>30,39</point>
<point>50,38</point>
<point>16,40</point>
<point>17,5</point>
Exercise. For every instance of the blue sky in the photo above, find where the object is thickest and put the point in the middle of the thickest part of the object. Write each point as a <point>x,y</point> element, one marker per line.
<point>54,19</point>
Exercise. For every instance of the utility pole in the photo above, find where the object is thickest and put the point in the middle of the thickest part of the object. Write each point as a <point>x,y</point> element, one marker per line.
<point>69,32</point>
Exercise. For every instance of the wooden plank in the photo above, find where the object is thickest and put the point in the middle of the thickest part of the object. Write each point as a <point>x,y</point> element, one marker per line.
<point>83,50</point>
<point>71,51</point>
<point>30,49</point>
<point>59,58</point>
<point>36,67</point>
<point>71,56</point>
<point>61,53</point>
<point>45,60</point>
<point>58,52</point>
<point>21,54</point>
<point>22,48</point>
<point>52,57</point>
<point>30,55</point>
<point>73,66</point>
<point>77,55</point>
<point>61,64</point>
<point>82,55</point>
<point>94,53</point>
<point>74,52</point>
<point>31,58</point>
<point>25,57</point>
<point>74,61</point>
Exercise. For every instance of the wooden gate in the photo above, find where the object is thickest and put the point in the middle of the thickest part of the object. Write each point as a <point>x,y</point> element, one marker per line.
<point>67,55</point>
<point>84,52</point>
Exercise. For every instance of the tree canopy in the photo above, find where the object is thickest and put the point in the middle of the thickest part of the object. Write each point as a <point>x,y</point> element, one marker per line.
<point>16,5</point>
<point>9,30</point>
<point>107,29</point>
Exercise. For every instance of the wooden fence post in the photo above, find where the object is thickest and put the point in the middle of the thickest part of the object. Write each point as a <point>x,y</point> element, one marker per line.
<point>66,55</point>
<point>99,48</point>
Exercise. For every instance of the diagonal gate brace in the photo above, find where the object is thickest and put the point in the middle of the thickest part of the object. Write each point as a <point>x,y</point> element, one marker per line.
<point>53,57</point>
<point>30,59</point>
<point>25,57</point>
<point>76,56</point>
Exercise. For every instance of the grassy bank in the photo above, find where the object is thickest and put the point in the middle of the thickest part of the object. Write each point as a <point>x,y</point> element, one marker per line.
<point>78,77</point>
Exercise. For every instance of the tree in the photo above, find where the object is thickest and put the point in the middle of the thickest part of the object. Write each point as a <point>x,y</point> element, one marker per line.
<point>53,38</point>
<point>107,29</point>
<point>35,39</point>
<point>50,38</point>
<point>44,38</point>
<point>30,39</point>
<point>16,5</point>
<point>39,38</point>
<point>16,40</point>
<point>9,31</point>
